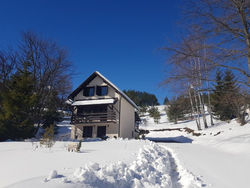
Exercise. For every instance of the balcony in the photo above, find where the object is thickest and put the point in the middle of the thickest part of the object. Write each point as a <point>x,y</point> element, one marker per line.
<point>100,117</point>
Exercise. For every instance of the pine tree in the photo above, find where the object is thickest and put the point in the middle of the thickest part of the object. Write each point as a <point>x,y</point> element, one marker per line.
<point>217,95</point>
<point>17,105</point>
<point>154,113</point>
<point>223,97</point>
<point>166,101</point>
<point>51,115</point>
<point>142,110</point>
<point>175,110</point>
<point>231,90</point>
<point>142,98</point>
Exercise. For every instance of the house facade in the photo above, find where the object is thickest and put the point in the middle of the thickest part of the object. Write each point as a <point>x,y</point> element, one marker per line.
<point>100,109</point>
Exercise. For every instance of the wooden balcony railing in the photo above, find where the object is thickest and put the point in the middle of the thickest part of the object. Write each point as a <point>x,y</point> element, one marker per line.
<point>94,117</point>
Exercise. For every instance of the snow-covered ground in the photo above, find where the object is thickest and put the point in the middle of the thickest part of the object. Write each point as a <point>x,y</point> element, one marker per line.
<point>152,166</point>
<point>112,163</point>
<point>216,168</point>
<point>230,137</point>
<point>22,161</point>
<point>219,157</point>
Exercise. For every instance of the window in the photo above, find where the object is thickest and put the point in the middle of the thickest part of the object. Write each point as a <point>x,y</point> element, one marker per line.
<point>101,90</point>
<point>89,91</point>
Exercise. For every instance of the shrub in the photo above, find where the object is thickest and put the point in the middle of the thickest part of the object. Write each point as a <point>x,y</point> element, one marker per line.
<point>154,113</point>
<point>175,110</point>
<point>79,145</point>
<point>48,137</point>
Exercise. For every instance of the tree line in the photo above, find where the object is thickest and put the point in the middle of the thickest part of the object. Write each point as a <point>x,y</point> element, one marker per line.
<point>225,102</point>
<point>35,79</point>
<point>211,61</point>
<point>146,102</point>
<point>142,98</point>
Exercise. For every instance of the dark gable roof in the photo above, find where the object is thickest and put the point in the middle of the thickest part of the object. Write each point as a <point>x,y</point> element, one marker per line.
<point>91,77</point>
<point>86,82</point>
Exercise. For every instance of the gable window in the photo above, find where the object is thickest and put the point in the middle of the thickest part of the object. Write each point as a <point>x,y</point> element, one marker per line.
<point>89,91</point>
<point>102,90</point>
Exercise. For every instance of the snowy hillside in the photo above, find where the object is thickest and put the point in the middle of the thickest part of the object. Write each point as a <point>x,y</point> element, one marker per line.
<point>219,157</point>
<point>227,136</point>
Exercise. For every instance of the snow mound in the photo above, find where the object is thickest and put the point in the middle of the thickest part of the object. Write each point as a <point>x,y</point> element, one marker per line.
<point>52,174</point>
<point>152,168</point>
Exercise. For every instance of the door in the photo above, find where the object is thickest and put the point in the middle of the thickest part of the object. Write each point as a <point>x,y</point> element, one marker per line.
<point>101,131</point>
<point>87,131</point>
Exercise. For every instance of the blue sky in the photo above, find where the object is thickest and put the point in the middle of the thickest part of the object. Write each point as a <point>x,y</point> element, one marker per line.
<point>119,38</point>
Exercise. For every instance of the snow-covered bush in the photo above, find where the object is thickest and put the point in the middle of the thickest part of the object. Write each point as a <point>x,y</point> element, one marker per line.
<point>143,110</point>
<point>48,137</point>
<point>154,113</point>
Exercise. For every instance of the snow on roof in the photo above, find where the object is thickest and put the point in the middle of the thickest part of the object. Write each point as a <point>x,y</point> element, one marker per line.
<point>69,101</point>
<point>93,102</point>
<point>120,91</point>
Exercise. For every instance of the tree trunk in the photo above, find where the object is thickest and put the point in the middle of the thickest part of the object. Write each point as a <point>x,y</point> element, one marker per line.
<point>199,85</point>
<point>193,73</point>
<point>198,112</point>
<point>209,107</point>
<point>241,115</point>
<point>209,98</point>
<point>202,110</point>
<point>191,102</point>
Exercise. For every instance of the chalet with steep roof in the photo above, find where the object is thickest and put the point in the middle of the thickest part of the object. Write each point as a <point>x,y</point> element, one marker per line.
<point>100,109</point>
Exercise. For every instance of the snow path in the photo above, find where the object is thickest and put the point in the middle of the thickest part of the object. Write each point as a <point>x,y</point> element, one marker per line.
<point>218,169</point>
<point>175,175</point>
<point>155,166</point>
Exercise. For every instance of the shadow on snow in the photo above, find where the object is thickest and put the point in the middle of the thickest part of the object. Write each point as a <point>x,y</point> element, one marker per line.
<point>177,139</point>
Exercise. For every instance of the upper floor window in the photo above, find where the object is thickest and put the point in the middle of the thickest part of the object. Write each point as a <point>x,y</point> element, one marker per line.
<point>102,90</point>
<point>89,91</point>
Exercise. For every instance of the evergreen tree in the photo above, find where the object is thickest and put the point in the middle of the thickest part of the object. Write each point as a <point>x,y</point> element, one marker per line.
<point>217,95</point>
<point>33,86</point>
<point>51,115</point>
<point>166,101</point>
<point>231,91</point>
<point>142,98</point>
<point>222,99</point>
<point>3,128</point>
<point>176,110</point>
<point>17,105</point>
<point>142,110</point>
<point>154,113</point>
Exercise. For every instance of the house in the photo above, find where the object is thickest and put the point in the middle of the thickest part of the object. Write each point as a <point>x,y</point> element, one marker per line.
<point>100,109</point>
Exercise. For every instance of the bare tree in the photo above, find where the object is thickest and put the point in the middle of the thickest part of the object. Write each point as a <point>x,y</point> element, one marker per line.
<point>195,109</point>
<point>218,37</point>
<point>187,61</point>
<point>208,93</point>
<point>199,91</point>
<point>50,66</point>
<point>225,25</point>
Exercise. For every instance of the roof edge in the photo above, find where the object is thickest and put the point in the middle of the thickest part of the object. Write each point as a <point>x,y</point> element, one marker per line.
<point>92,76</point>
